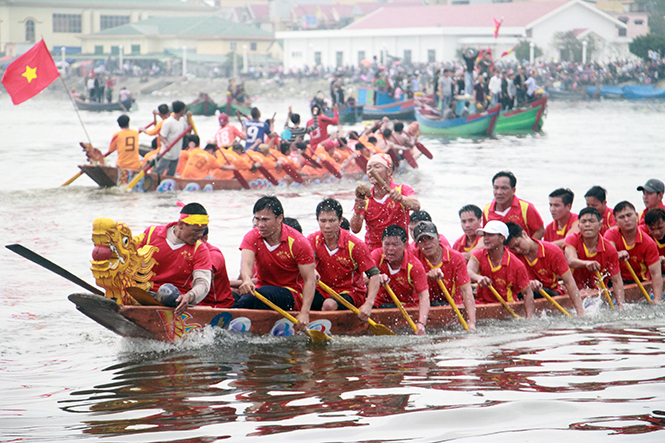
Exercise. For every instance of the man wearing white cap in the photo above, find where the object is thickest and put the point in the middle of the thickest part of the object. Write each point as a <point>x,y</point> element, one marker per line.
<point>383,208</point>
<point>496,266</point>
<point>652,195</point>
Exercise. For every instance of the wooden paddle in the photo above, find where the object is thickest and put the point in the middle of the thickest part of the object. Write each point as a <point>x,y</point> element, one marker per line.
<point>286,166</point>
<point>603,288</point>
<point>406,153</point>
<point>147,167</point>
<point>503,302</point>
<point>557,305</point>
<point>637,280</point>
<point>424,150</point>
<point>142,296</point>
<point>314,335</point>
<point>236,173</point>
<point>401,307</point>
<point>452,304</point>
<point>381,181</point>
<point>310,159</point>
<point>374,327</point>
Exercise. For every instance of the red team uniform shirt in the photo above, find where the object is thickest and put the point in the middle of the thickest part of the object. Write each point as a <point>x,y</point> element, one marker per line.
<point>321,132</point>
<point>175,266</point>
<point>607,221</point>
<point>643,253</point>
<point>509,278</point>
<point>460,244</point>
<point>552,232</point>
<point>641,223</point>
<point>521,212</point>
<point>407,283</point>
<point>225,136</point>
<point>343,271</point>
<point>605,254</point>
<point>455,275</point>
<point>220,295</point>
<point>549,265</point>
<point>378,216</point>
<point>279,267</point>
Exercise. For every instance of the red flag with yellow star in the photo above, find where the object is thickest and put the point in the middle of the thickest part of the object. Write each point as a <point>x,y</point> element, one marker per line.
<point>29,74</point>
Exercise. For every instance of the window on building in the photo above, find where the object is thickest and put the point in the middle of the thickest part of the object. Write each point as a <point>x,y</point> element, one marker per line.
<point>529,33</point>
<point>115,50</point>
<point>67,23</point>
<point>30,31</point>
<point>622,32</point>
<point>296,54</point>
<point>317,58</point>
<point>407,56</point>
<point>252,46</point>
<point>361,57</point>
<point>233,45</point>
<point>639,22</point>
<point>460,2</point>
<point>339,57</point>
<point>111,21</point>
<point>136,49</point>
<point>431,55</point>
<point>623,19</point>
<point>99,49</point>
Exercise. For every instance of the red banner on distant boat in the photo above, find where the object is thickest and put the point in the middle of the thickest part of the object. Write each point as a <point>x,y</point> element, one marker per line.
<point>29,74</point>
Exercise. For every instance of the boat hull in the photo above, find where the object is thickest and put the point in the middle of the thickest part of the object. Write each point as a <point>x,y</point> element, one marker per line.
<point>159,323</point>
<point>404,110</point>
<point>522,120</point>
<point>476,125</point>
<point>203,106</point>
<point>104,107</point>
<point>109,176</point>
<point>347,116</point>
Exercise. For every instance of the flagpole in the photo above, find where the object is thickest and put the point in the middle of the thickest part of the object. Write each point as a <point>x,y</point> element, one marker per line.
<point>75,108</point>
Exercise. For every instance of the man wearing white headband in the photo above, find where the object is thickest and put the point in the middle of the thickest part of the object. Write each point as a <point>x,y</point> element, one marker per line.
<point>183,271</point>
<point>383,207</point>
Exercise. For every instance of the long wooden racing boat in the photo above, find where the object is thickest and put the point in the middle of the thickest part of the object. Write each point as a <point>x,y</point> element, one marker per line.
<point>101,107</point>
<point>160,323</point>
<point>109,176</point>
<point>203,105</point>
<point>475,125</point>
<point>522,120</point>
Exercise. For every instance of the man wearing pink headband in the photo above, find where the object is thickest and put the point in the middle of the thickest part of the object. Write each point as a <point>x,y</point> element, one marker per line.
<point>384,207</point>
<point>183,272</point>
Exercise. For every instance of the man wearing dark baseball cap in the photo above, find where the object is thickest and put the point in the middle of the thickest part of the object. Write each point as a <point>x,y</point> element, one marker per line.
<point>652,196</point>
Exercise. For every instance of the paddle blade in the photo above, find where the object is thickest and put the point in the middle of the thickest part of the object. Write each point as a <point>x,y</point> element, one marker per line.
<point>379,329</point>
<point>318,336</point>
<point>424,150</point>
<point>409,158</point>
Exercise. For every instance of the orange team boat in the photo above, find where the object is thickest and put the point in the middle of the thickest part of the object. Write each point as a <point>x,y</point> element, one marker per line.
<point>160,323</point>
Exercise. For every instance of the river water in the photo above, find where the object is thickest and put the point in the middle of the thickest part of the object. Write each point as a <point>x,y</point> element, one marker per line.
<point>63,377</point>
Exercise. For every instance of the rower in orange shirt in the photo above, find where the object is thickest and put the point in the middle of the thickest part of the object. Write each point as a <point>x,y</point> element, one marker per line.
<point>201,161</point>
<point>193,141</point>
<point>126,142</point>
<point>232,159</point>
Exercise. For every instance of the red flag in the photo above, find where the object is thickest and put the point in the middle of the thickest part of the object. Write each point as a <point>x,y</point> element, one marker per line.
<point>29,74</point>
<point>511,50</point>
<point>497,25</point>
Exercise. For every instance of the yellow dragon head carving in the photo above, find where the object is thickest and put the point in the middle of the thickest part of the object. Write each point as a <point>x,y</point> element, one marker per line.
<point>117,262</point>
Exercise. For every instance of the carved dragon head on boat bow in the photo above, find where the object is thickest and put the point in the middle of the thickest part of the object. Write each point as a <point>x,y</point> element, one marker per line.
<point>117,261</point>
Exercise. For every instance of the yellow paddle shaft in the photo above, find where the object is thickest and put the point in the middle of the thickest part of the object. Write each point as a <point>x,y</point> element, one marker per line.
<point>401,308</point>
<point>503,302</point>
<point>71,180</point>
<point>639,283</point>
<point>191,122</point>
<point>343,301</point>
<point>603,288</point>
<point>557,305</point>
<point>135,180</point>
<point>452,304</point>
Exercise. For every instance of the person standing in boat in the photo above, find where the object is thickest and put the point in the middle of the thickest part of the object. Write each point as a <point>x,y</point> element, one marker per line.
<point>471,219</point>
<point>183,272</point>
<point>255,129</point>
<point>403,273</point>
<point>564,222</point>
<point>281,259</point>
<point>496,266</point>
<point>171,129</point>
<point>320,134</point>
<point>296,130</point>
<point>126,142</point>
<point>587,252</point>
<point>545,263</point>
<point>655,221</point>
<point>507,207</point>
<point>449,266</point>
<point>227,134</point>
<point>383,208</point>
<point>652,196</point>
<point>341,260</point>
<point>163,113</point>
<point>636,249</point>
<point>596,198</point>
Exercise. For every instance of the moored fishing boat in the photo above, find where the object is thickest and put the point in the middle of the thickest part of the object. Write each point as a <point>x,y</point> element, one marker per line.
<point>475,125</point>
<point>522,120</point>
<point>159,323</point>
<point>102,107</point>
<point>348,115</point>
<point>231,106</point>
<point>402,110</point>
<point>109,176</point>
<point>203,105</point>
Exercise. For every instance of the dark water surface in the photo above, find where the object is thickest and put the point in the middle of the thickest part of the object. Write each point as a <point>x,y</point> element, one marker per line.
<point>65,378</point>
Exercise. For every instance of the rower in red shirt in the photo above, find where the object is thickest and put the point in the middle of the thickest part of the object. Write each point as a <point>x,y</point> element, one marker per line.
<point>655,221</point>
<point>471,217</point>
<point>320,134</point>
<point>564,222</point>
<point>414,219</point>
<point>495,265</point>
<point>636,248</point>
<point>506,207</point>
<point>442,263</point>
<point>596,198</point>
<point>404,273</point>
<point>545,263</point>
<point>383,208</point>
<point>587,252</point>
<point>183,262</point>
<point>220,295</point>
<point>283,260</point>
<point>341,260</point>
<point>652,195</point>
